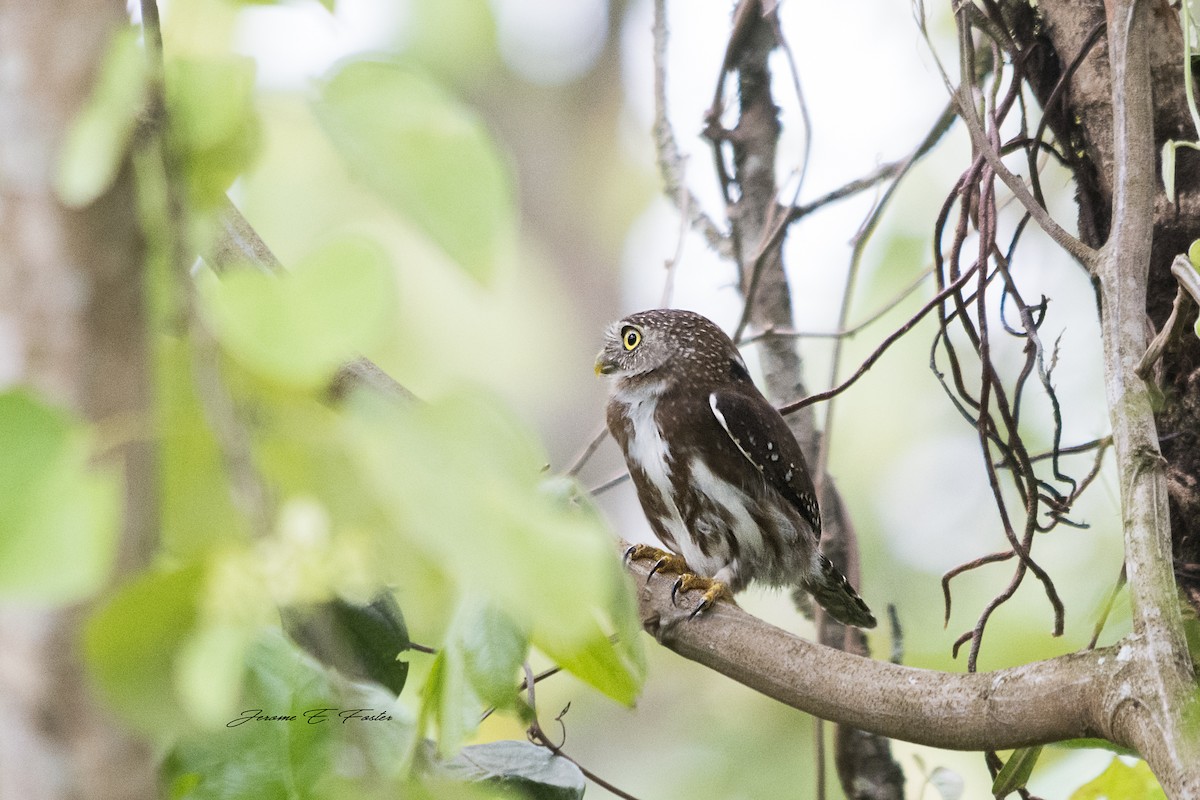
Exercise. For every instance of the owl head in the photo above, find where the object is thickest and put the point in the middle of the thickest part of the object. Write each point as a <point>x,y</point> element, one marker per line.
<point>667,342</point>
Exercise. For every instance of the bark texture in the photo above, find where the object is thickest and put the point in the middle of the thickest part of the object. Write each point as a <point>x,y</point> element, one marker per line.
<point>71,328</point>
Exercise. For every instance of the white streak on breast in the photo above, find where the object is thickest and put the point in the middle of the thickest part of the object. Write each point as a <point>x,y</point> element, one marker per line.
<point>650,452</point>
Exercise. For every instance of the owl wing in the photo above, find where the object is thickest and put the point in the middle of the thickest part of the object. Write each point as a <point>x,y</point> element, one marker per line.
<point>762,436</point>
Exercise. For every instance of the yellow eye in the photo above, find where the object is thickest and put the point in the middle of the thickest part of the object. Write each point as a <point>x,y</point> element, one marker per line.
<point>631,337</point>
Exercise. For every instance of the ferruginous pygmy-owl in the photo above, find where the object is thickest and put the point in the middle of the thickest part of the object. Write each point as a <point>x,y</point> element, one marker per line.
<point>719,474</point>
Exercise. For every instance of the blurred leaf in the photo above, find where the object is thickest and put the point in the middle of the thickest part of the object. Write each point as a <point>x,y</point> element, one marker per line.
<point>209,669</point>
<point>360,641</point>
<point>493,650</point>
<point>1016,771</point>
<point>132,641</point>
<point>462,482</point>
<point>292,738</point>
<point>1194,254</point>
<point>99,137</point>
<point>426,154</point>
<point>1093,744</point>
<point>58,520</point>
<point>524,768</point>
<point>949,784</point>
<point>448,702</point>
<point>1122,782</point>
<point>197,509</point>
<point>213,128</point>
<point>454,40</point>
<point>299,328</point>
<point>598,661</point>
<point>476,666</point>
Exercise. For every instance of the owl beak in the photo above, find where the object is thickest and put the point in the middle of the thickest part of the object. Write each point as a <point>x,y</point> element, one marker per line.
<point>603,366</point>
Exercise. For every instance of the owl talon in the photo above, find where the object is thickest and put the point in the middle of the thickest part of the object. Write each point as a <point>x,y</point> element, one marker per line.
<point>713,591</point>
<point>663,560</point>
<point>668,563</point>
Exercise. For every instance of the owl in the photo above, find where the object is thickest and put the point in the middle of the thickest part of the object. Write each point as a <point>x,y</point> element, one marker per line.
<point>719,475</point>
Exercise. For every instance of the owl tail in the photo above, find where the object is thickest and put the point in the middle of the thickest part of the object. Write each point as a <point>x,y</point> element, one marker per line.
<point>835,594</point>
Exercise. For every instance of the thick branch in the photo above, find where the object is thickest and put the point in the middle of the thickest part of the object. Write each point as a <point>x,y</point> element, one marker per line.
<point>1156,720</point>
<point>1047,701</point>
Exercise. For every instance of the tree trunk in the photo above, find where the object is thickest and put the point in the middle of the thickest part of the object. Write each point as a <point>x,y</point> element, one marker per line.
<point>72,329</point>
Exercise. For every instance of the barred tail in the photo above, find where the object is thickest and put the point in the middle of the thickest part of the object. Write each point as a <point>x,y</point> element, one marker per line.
<point>835,594</point>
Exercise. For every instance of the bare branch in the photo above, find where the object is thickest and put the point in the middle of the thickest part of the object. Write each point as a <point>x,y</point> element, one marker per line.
<point>1046,701</point>
<point>1080,251</point>
<point>670,160</point>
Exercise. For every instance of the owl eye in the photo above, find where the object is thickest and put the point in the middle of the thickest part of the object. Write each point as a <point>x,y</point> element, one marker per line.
<point>631,337</point>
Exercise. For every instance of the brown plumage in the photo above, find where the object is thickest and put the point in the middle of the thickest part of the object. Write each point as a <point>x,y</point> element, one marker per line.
<point>718,473</point>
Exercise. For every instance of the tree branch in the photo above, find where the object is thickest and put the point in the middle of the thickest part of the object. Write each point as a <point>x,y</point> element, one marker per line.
<point>1154,716</point>
<point>670,161</point>
<point>966,109</point>
<point>240,245</point>
<point>1046,701</point>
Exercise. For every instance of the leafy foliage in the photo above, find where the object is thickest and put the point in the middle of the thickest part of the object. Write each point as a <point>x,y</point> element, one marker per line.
<point>100,136</point>
<point>1121,780</point>
<point>1016,771</point>
<point>403,136</point>
<point>270,498</point>
<point>363,642</point>
<point>334,304</point>
<point>58,518</point>
<point>294,734</point>
<point>531,771</point>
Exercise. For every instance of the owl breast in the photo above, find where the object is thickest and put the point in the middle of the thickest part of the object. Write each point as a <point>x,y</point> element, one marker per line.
<point>733,531</point>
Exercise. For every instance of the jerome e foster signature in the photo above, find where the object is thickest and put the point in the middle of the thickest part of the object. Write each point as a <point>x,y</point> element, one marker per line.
<point>313,716</point>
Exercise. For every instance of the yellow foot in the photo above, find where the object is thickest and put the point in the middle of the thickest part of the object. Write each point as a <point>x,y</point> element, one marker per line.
<point>713,591</point>
<point>663,560</point>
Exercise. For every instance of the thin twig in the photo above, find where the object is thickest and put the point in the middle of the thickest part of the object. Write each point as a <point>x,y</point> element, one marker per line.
<point>883,346</point>
<point>538,736</point>
<point>1107,608</point>
<point>900,297</point>
<point>587,452</point>
<point>684,202</point>
<point>670,160</point>
<point>611,483</point>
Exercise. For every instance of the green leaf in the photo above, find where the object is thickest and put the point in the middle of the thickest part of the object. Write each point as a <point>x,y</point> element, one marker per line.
<point>1120,781</point>
<point>476,666</point>
<point>197,508</point>
<point>291,737</point>
<point>426,154</point>
<point>448,702</point>
<point>1168,168</point>
<point>209,669</point>
<point>613,668</point>
<point>1094,744</point>
<point>214,131</point>
<point>299,328</point>
<point>1194,254</point>
<point>493,649</point>
<point>1016,771</point>
<point>99,137</point>
<point>524,768</point>
<point>59,520</point>
<point>462,482</point>
<point>132,643</point>
<point>362,642</point>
